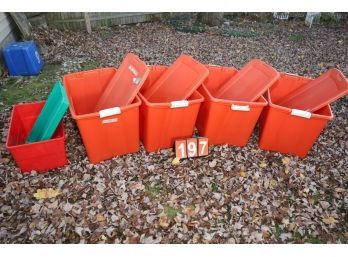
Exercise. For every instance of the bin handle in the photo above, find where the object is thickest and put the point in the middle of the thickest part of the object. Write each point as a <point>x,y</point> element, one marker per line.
<point>301,113</point>
<point>109,112</point>
<point>242,108</point>
<point>179,104</point>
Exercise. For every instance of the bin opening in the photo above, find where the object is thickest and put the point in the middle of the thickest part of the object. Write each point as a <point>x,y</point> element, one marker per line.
<point>83,101</point>
<point>318,92</point>
<point>249,83</point>
<point>154,74</point>
<point>218,76</point>
<point>124,84</point>
<point>24,120</point>
<point>178,82</point>
<point>287,84</point>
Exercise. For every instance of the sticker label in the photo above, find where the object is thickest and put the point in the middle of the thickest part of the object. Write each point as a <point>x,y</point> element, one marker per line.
<point>243,108</point>
<point>179,104</point>
<point>109,112</point>
<point>191,147</point>
<point>203,146</point>
<point>301,113</point>
<point>133,70</point>
<point>136,81</point>
<point>110,121</point>
<point>180,149</point>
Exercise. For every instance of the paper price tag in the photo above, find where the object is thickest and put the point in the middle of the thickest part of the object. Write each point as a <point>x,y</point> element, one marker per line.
<point>191,147</point>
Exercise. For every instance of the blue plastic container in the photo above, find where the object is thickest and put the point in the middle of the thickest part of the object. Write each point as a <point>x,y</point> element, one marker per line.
<point>22,59</point>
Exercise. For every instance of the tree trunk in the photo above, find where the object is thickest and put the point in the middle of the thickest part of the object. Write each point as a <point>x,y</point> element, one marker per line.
<point>211,18</point>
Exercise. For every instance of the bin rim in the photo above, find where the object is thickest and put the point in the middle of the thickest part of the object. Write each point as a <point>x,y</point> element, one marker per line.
<point>136,103</point>
<point>168,104</point>
<point>288,110</point>
<point>230,102</point>
<point>222,67</point>
<point>60,126</point>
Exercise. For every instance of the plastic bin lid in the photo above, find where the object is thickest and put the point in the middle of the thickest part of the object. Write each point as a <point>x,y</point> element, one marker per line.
<point>319,92</point>
<point>125,84</point>
<point>51,114</point>
<point>178,82</point>
<point>249,83</point>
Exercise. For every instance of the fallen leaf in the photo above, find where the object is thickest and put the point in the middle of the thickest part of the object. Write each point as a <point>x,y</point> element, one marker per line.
<point>163,221</point>
<point>46,193</point>
<point>5,160</point>
<point>285,236</point>
<point>190,210</point>
<point>67,207</point>
<point>263,164</point>
<point>329,220</point>
<point>212,164</point>
<point>324,204</point>
<point>242,173</point>
<point>100,217</point>
<point>285,160</point>
<point>79,230</point>
<point>273,183</point>
<point>176,161</point>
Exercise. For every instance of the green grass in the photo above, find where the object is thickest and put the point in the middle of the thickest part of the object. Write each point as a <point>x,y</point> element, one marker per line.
<point>15,90</point>
<point>296,37</point>
<point>278,231</point>
<point>214,187</point>
<point>171,212</point>
<point>24,89</point>
<point>154,190</point>
<point>239,33</point>
<point>90,65</point>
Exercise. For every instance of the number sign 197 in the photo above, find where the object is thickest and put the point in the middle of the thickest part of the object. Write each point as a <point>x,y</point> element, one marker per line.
<point>191,147</point>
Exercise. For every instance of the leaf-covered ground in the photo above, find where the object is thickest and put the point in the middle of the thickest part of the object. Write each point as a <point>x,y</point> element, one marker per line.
<point>234,195</point>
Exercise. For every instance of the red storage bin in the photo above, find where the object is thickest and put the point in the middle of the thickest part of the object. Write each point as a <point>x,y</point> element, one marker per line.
<point>39,156</point>
<point>162,123</point>
<point>107,133</point>
<point>286,130</point>
<point>226,121</point>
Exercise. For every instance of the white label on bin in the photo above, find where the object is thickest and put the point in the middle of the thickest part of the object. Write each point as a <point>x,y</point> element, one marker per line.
<point>109,112</point>
<point>133,70</point>
<point>243,108</point>
<point>178,104</point>
<point>301,113</point>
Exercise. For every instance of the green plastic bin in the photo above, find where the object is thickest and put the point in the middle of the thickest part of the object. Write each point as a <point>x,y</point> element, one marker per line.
<point>51,114</point>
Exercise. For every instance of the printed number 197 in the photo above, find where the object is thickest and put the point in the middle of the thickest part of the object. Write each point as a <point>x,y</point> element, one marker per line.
<point>191,147</point>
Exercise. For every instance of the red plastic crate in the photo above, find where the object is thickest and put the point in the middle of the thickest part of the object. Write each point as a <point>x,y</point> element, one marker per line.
<point>162,123</point>
<point>39,156</point>
<point>107,133</point>
<point>288,130</point>
<point>225,121</point>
